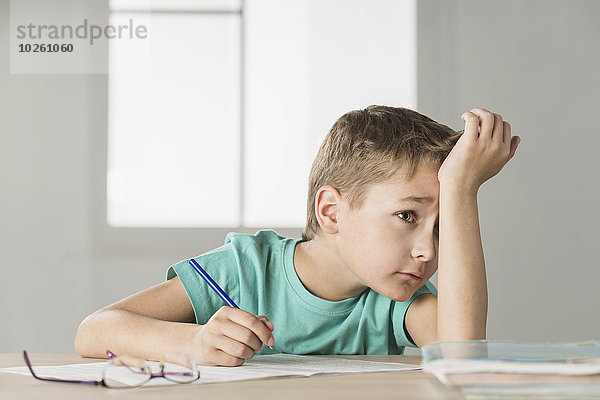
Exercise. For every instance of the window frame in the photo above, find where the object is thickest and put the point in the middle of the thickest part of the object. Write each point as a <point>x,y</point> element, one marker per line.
<point>155,240</point>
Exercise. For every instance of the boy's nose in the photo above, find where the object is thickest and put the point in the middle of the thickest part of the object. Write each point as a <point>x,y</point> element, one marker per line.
<point>425,248</point>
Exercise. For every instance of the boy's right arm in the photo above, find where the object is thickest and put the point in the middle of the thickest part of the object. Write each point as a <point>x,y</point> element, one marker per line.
<point>160,320</point>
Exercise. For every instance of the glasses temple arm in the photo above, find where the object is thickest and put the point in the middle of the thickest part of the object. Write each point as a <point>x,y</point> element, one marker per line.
<point>28,363</point>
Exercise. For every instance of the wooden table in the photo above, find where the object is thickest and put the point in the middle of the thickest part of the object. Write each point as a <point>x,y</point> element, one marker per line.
<point>381,385</point>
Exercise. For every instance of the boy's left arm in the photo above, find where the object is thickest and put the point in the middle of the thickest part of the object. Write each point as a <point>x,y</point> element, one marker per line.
<point>459,312</point>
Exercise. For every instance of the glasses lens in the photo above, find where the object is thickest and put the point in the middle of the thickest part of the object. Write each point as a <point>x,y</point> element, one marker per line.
<point>180,367</point>
<point>126,371</point>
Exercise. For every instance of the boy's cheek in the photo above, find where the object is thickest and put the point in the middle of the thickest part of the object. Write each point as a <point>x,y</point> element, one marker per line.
<point>431,270</point>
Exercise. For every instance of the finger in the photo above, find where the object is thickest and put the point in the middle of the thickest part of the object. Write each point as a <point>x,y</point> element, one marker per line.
<point>227,360</point>
<point>234,348</point>
<point>217,357</point>
<point>267,323</point>
<point>506,132</point>
<point>498,133</point>
<point>486,122</point>
<point>471,125</point>
<point>241,334</point>
<point>514,143</point>
<point>253,323</point>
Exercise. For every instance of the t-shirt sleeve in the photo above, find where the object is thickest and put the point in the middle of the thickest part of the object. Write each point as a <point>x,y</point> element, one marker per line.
<point>221,265</point>
<point>399,313</point>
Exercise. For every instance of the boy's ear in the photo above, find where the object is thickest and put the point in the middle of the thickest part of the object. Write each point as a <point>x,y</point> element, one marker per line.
<point>327,207</point>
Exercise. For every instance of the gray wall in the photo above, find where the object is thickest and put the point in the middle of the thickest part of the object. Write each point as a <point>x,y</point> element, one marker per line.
<point>535,62</point>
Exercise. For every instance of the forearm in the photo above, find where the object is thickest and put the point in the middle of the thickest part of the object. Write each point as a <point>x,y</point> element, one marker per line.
<point>462,287</point>
<point>123,331</point>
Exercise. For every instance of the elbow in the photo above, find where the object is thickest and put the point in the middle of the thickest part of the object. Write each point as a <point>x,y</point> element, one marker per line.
<point>79,343</point>
<point>461,337</point>
<point>472,333</point>
<point>472,337</point>
<point>84,338</point>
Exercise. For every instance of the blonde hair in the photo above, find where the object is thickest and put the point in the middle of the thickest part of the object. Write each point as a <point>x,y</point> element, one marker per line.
<point>367,147</point>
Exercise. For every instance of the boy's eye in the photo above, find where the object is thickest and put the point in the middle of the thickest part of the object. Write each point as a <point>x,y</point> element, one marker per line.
<point>405,215</point>
<point>408,217</point>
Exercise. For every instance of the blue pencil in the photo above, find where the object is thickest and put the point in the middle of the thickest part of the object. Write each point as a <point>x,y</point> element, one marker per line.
<point>213,285</point>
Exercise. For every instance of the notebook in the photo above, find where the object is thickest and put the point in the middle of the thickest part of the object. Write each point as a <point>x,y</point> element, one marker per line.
<point>511,368</point>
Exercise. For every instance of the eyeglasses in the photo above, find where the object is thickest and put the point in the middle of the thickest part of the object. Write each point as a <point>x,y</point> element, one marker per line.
<point>128,371</point>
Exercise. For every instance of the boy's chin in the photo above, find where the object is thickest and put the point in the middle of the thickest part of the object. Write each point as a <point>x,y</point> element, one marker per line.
<point>402,298</point>
<point>399,296</point>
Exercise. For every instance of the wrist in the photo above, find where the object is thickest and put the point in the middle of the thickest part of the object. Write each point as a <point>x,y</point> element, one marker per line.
<point>178,337</point>
<point>454,189</point>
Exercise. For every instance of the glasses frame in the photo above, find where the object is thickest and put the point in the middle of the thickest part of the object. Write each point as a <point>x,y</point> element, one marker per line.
<point>111,355</point>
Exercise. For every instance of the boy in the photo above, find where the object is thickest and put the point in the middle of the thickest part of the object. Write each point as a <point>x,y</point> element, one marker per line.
<point>357,281</point>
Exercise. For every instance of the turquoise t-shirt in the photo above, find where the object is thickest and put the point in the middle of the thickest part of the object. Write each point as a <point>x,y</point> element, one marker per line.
<point>257,272</point>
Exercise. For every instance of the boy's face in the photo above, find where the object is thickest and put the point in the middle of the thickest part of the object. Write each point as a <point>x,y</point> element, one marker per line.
<point>388,239</point>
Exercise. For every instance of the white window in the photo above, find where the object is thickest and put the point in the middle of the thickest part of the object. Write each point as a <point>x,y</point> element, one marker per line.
<point>219,125</point>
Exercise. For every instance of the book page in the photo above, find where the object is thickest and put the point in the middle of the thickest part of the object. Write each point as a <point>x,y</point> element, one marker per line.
<point>261,366</point>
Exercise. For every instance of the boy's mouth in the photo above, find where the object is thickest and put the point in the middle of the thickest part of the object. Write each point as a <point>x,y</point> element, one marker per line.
<point>413,275</point>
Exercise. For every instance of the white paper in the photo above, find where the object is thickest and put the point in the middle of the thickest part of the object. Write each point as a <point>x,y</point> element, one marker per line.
<point>261,366</point>
<point>443,367</point>
<point>466,366</point>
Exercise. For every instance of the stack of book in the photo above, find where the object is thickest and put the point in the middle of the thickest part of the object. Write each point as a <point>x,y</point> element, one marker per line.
<point>482,368</point>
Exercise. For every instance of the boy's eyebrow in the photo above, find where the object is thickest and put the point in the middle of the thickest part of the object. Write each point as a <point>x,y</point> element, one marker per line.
<point>416,199</point>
